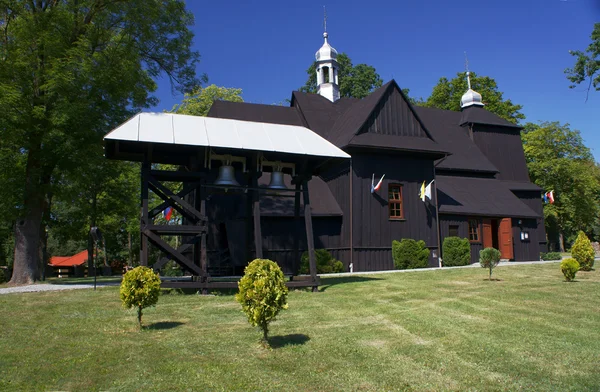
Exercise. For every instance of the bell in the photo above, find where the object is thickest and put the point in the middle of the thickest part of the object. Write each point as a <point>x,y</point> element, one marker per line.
<point>277,181</point>
<point>226,176</point>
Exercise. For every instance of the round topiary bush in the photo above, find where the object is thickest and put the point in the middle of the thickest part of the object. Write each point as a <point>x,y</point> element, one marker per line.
<point>489,258</point>
<point>583,251</point>
<point>326,264</point>
<point>456,251</point>
<point>262,294</point>
<point>140,288</point>
<point>569,268</point>
<point>409,254</point>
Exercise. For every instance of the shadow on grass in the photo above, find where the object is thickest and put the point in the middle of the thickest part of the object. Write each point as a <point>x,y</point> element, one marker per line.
<point>328,282</point>
<point>101,281</point>
<point>295,339</point>
<point>493,280</point>
<point>162,325</point>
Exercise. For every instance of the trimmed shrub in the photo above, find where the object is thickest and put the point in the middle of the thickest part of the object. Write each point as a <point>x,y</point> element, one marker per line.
<point>551,256</point>
<point>410,254</point>
<point>489,258</point>
<point>583,251</point>
<point>140,288</point>
<point>569,268</point>
<point>326,264</point>
<point>262,294</point>
<point>456,251</point>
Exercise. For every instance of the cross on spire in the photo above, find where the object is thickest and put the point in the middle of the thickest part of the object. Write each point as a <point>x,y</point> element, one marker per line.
<point>467,69</point>
<point>324,20</point>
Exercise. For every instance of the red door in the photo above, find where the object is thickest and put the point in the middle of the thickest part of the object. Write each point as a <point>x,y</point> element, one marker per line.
<point>506,239</point>
<point>487,233</point>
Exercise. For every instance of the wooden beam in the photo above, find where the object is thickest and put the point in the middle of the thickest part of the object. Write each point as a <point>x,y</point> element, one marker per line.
<point>144,213</point>
<point>164,260</point>
<point>175,229</point>
<point>310,240</point>
<point>256,213</point>
<point>177,176</point>
<point>296,232</point>
<point>178,257</point>
<point>187,188</point>
<point>157,187</point>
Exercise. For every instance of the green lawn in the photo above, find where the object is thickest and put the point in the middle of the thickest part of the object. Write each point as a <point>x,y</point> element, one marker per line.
<point>438,330</point>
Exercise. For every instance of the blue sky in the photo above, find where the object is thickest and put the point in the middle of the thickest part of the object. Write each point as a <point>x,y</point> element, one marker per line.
<point>265,47</point>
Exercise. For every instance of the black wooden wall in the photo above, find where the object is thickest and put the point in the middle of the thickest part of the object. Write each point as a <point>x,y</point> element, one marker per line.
<point>373,231</point>
<point>503,147</point>
<point>393,116</point>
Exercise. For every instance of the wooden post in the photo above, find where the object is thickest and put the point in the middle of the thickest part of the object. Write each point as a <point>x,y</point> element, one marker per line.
<point>144,214</point>
<point>203,259</point>
<point>310,241</point>
<point>296,231</point>
<point>256,213</point>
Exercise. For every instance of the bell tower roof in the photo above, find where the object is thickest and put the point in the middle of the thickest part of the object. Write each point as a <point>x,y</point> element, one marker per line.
<point>326,52</point>
<point>471,97</point>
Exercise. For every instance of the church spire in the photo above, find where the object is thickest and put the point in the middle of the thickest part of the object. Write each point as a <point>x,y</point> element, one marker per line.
<point>471,97</point>
<point>327,67</point>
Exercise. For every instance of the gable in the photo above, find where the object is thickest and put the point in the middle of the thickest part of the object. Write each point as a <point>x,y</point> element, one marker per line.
<point>393,116</point>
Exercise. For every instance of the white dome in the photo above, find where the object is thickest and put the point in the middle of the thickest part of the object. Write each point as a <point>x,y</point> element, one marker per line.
<point>327,52</point>
<point>470,98</point>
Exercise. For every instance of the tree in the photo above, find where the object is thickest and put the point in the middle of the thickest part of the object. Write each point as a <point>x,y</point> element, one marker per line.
<point>447,94</point>
<point>262,294</point>
<point>356,81</point>
<point>489,258</point>
<point>558,160</point>
<point>199,100</point>
<point>587,64</point>
<point>69,72</point>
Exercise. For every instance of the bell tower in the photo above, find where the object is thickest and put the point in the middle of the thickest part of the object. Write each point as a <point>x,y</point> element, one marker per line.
<point>327,69</point>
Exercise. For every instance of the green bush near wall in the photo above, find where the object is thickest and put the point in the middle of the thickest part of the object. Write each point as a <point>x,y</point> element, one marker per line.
<point>551,256</point>
<point>456,251</point>
<point>410,254</point>
<point>326,264</point>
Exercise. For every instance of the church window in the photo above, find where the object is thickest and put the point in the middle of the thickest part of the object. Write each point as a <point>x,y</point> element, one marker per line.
<point>473,230</point>
<point>395,202</point>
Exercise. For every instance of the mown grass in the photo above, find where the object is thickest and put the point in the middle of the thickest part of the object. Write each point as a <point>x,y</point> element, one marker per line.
<point>438,330</point>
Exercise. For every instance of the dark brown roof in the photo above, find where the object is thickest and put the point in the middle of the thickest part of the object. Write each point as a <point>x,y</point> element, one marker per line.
<point>443,125</point>
<point>255,112</point>
<point>322,202</point>
<point>521,185</point>
<point>479,196</point>
<point>478,115</point>
<point>320,113</point>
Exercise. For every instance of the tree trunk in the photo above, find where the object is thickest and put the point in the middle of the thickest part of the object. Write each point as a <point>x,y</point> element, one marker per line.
<point>27,228</point>
<point>561,242</point>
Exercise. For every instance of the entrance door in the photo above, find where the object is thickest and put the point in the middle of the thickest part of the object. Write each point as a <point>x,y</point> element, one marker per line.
<point>506,239</point>
<point>487,233</point>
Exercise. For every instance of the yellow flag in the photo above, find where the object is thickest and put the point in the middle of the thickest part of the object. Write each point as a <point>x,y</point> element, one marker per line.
<point>422,193</point>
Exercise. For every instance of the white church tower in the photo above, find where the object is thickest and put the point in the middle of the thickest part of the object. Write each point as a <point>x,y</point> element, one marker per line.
<point>327,70</point>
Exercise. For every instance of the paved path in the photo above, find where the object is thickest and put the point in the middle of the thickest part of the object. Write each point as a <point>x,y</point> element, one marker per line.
<point>32,288</point>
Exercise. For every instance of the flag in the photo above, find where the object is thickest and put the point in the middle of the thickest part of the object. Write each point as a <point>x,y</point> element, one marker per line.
<point>550,196</point>
<point>425,191</point>
<point>375,188</point>
<point>545,197</point>
<point>167,213</point>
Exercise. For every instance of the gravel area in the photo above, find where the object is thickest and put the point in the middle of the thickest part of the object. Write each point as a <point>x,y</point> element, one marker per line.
<point>32,288</point>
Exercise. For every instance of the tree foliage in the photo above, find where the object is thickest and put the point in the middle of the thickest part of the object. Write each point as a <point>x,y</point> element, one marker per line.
<point>69,72</point>
<point>140,289</point>
<point>558,160</point>
<point>583,251</point>
<point>489,258</point>
<point>446,94</point>
<point>263,293</point>
<point>587,64</point>
<point>356,81</point>
<point>199,100</point>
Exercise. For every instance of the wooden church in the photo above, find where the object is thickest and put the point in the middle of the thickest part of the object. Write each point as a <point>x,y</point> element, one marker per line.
<point>472,162</point>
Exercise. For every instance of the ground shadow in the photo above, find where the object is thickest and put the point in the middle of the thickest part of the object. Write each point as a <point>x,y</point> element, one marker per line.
<point>295,339</point>
<point>328,282</point>
<point>101,281</point>
<point>162,325</point>
<point>493,280</point>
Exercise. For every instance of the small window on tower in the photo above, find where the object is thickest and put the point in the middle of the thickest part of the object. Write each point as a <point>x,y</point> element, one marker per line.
<point>325,74</point>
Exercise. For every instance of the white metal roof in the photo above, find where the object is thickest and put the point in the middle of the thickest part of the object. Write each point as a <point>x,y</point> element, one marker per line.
<point>172,128</point>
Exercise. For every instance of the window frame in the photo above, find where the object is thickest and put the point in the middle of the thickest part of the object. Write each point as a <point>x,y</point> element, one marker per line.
<point>477,230</point>
<point>394,202</point>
